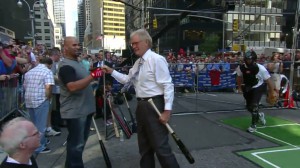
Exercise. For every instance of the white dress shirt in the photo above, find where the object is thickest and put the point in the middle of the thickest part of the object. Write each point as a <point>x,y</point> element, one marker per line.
<point>153,79</point>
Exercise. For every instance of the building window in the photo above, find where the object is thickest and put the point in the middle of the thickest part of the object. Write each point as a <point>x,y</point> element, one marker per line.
<point>37,16</point>
<point>47,31</point>
<point>46,23</point>
<point>38,38</point>
<point>38,30</point>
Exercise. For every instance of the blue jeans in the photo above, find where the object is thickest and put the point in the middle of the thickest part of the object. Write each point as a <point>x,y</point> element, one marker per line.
<point>79,129</point>
<point>39,117</point>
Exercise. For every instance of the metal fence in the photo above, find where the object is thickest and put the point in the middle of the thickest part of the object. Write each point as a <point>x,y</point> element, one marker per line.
<point>8,97</point>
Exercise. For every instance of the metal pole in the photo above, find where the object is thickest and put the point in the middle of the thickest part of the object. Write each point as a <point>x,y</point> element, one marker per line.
<point>223,40</point>
<point>32,27</point>
<point>295,34</point>
<point>142,15</point>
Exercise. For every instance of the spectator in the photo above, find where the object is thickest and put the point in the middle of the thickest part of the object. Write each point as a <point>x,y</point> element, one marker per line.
<point>19,139</point>
<point>37,84</point>
<point>275,68</point>
<point>7,59</point>
<point>85,62</point>
<point>54,117</point>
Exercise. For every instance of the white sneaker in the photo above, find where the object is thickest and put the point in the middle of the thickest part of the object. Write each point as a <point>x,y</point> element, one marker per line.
<point>51,132</point>
<point>262,118</point>
<point>251,129</point>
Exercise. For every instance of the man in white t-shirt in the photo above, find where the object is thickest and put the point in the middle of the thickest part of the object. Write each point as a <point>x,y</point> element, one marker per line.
<point>250,79</point>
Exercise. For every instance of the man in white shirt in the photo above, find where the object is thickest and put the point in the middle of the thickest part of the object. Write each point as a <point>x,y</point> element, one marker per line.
<point>151,79</point>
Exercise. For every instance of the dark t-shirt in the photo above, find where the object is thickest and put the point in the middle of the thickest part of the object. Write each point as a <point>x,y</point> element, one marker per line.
<point>5,164</point>
<point>67,74</point>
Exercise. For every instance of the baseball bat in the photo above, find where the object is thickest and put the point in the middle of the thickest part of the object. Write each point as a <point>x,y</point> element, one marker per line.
<point>133,126</point>
<point>178,141</point>
<point>122,125</point>
<point>124,119</point>
<point>103,149</point>
<point>113,118</point>
<point>120,121</point>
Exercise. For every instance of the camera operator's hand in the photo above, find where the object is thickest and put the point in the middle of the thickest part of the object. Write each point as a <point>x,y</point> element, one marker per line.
<point>97,73</point>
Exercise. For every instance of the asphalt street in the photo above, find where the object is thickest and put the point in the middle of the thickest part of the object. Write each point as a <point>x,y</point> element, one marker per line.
<point>196,120</point>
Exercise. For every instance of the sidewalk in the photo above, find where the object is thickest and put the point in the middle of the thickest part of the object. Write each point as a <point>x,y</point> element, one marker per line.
<point>211,143</point>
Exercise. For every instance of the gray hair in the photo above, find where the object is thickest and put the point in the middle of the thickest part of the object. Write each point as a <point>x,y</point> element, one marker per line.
<point>144,35</point>
<point>10,142</point>
<point>54,51</point>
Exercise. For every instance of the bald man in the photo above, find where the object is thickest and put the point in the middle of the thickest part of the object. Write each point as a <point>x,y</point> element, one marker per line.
<point>19,139</point>
<point>77,103</point>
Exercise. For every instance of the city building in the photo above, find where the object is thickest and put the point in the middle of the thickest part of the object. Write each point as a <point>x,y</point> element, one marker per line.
<point>44,29</point>
<point>108,30</point>
<point>175,24</point>
<point>80,23</point>
<point>59,14</point>
<point>58,31</point>
<point>6,35</point>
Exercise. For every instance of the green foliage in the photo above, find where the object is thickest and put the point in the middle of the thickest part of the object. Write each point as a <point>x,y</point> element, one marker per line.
<point>210,43</point>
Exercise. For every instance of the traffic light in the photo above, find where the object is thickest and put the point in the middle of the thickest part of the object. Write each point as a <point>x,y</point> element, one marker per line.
<point>30,43</point>
<point>235,25</point>
<point>155,23</point>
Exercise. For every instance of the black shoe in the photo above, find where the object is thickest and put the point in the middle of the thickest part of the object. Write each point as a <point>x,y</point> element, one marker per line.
<point>46,150</point>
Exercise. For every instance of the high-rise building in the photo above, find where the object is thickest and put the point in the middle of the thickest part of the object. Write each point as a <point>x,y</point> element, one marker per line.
<point>113,25</point>
<point>44,29</point>
<point>87,12</point>
<point>107,25</point>
<point>81,20</point>
<point>59,14</point>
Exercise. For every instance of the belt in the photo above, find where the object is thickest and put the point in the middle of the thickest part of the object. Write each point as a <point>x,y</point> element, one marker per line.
<point>147,98</point>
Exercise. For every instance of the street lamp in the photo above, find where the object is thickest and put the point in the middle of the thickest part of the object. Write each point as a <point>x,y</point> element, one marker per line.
<point>31,16</point>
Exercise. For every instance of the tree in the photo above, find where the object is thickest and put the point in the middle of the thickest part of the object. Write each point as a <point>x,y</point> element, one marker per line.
<point>210,43</point>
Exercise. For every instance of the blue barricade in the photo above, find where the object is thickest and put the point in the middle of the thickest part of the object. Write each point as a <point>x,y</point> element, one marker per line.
<point>183,79</point>
<point>226,80</point>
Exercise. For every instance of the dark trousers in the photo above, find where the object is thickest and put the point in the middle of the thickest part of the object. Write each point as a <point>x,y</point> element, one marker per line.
<point>252,97</point>
<point>79,129</point>
<point>153,136</point>
<point>56,120</point>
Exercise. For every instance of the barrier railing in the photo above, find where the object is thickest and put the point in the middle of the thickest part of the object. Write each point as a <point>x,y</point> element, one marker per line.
<point>8,97</point>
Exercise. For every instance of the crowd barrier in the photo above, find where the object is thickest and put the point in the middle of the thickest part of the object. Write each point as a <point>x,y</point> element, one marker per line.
<point>204,79</point>
<point>8,97</point>
<point>197,79</point>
